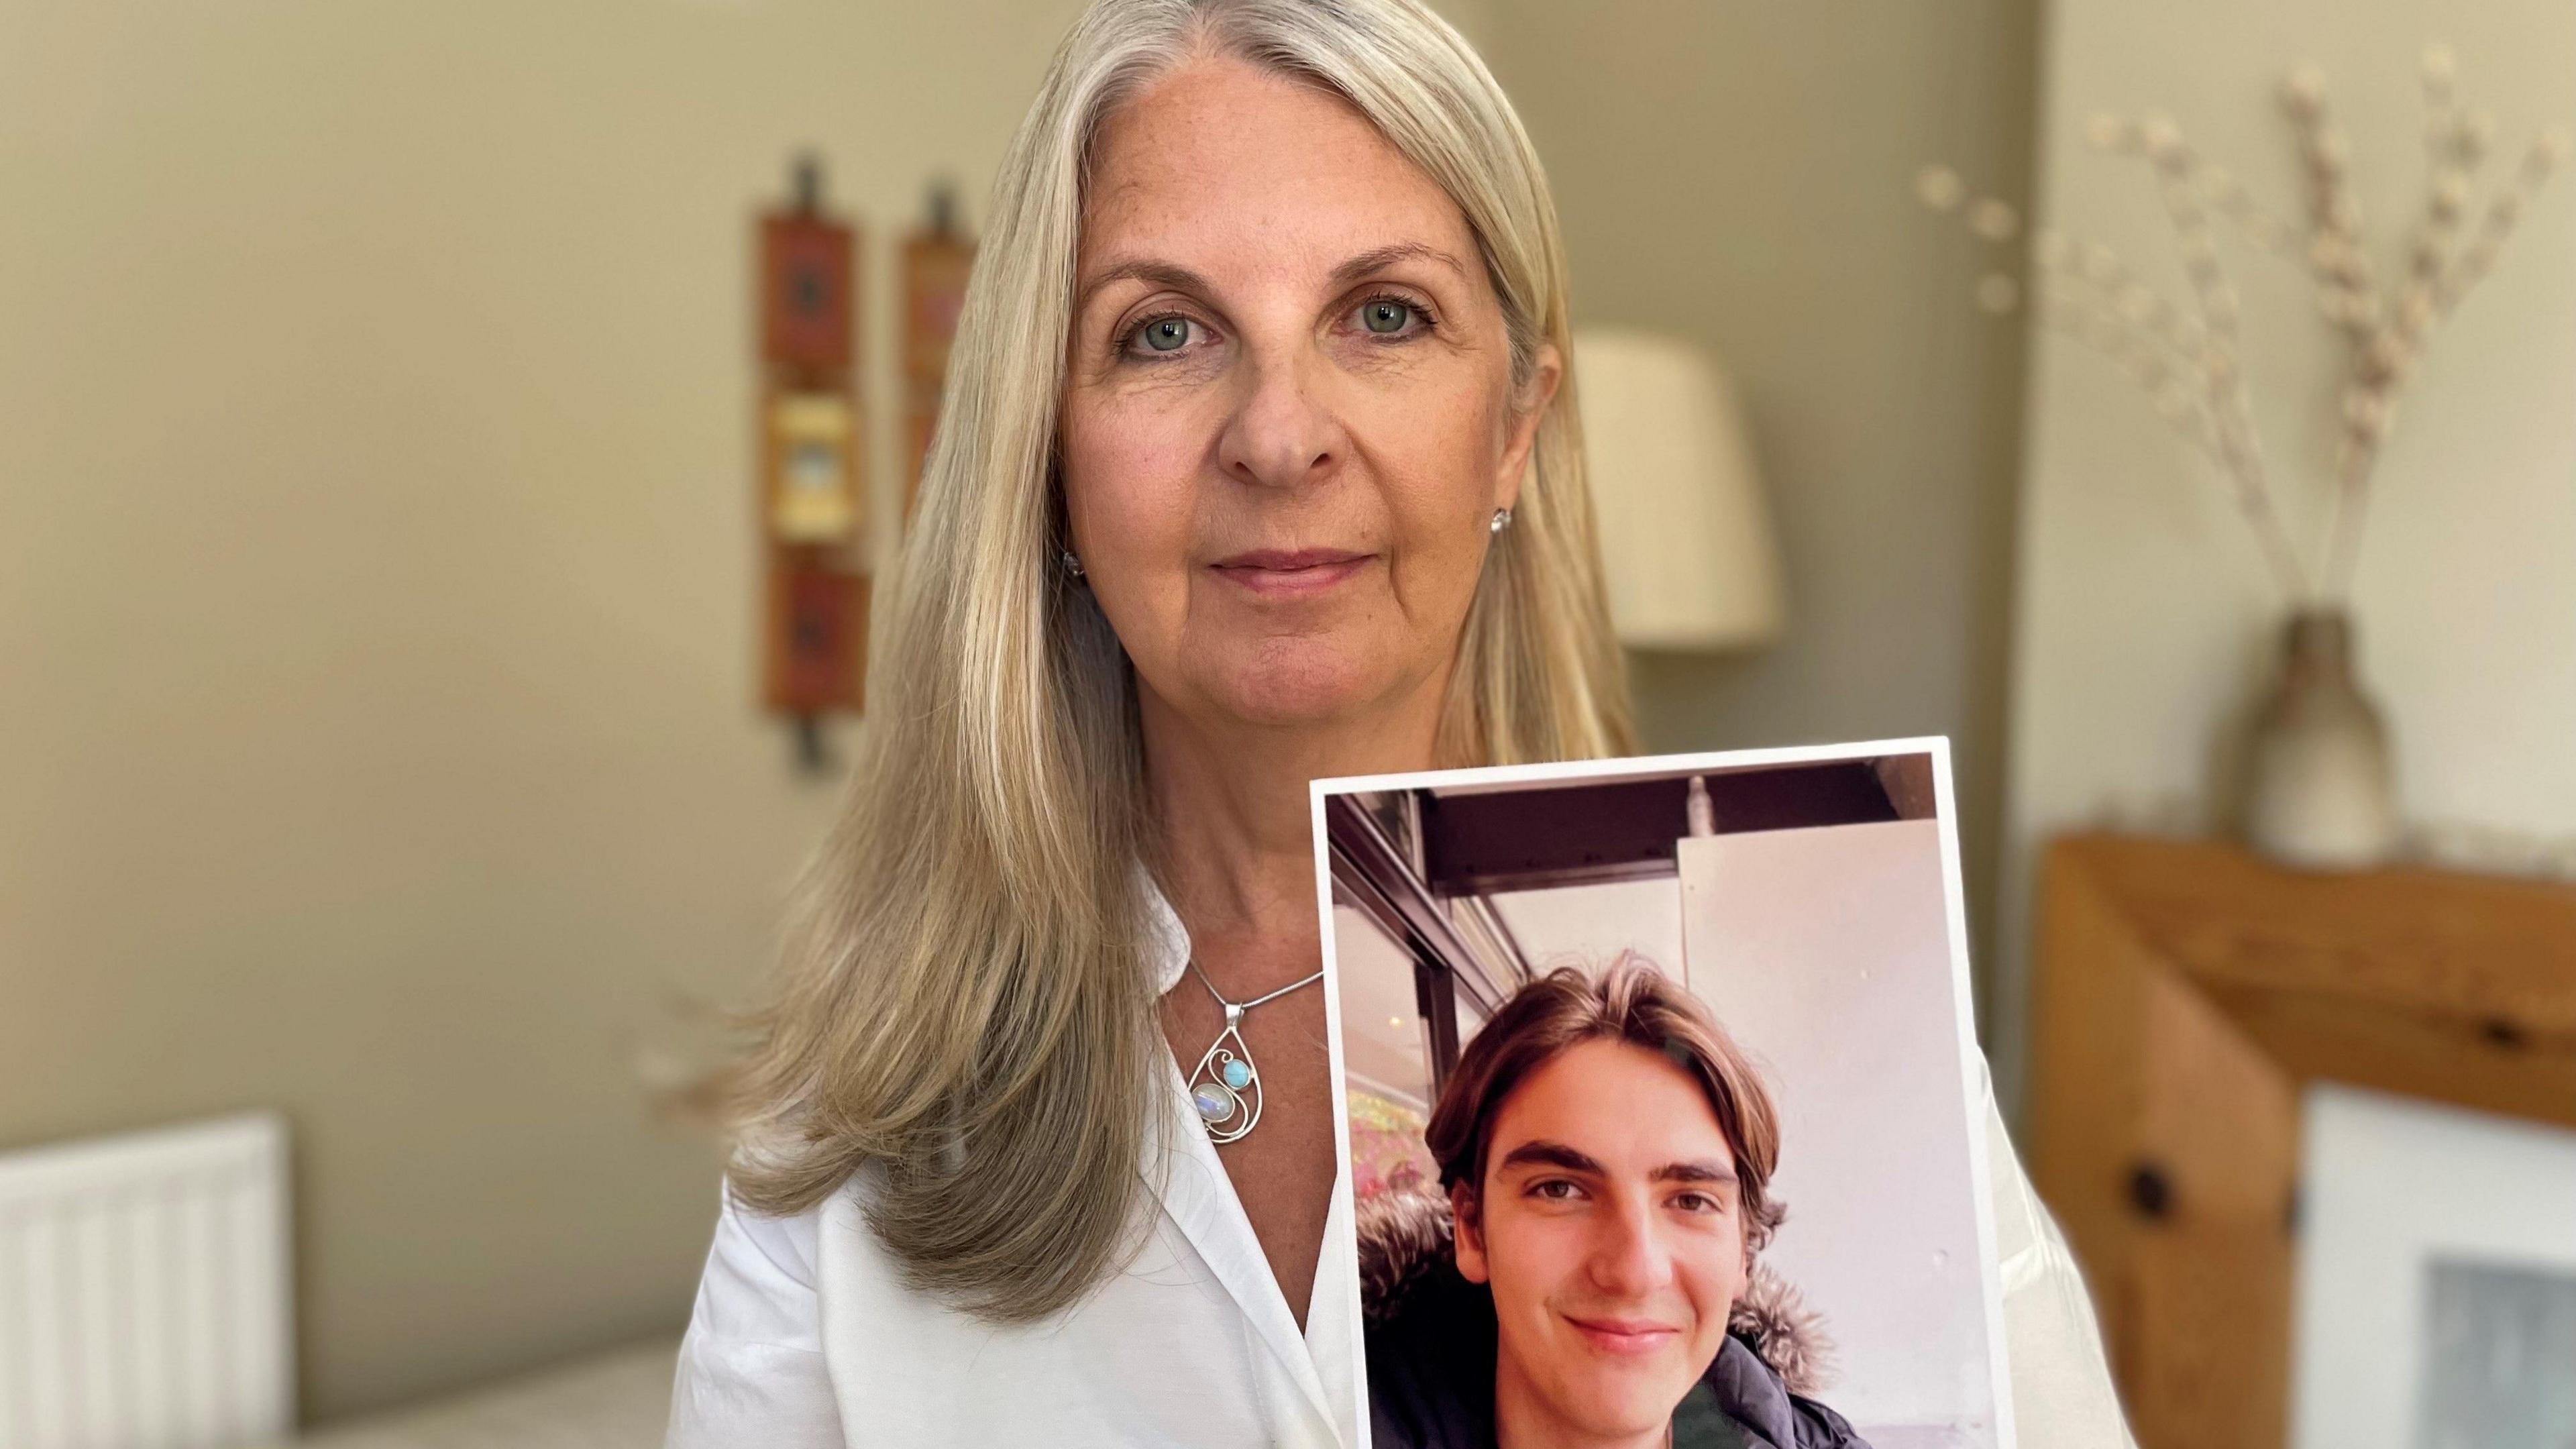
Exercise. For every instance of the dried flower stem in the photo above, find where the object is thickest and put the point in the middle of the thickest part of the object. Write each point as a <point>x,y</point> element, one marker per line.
<point>2222,374</point>
<point>2081,318</point>
<point>2442,268</point>
<point>2187,360</point>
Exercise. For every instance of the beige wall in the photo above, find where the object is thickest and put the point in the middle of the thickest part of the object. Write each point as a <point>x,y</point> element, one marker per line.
<point>375,603</point>
<point>1878,1168</point>
<point>2144,617</point>
<point>376,568</point>
<point>1737,172</point>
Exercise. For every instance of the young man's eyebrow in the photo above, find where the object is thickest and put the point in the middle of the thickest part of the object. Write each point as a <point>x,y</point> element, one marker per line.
<point>1713,1173</point>
<point>1549,1154</point>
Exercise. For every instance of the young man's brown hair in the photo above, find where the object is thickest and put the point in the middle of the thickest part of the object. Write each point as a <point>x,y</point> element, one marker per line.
<point>1629,1001</point>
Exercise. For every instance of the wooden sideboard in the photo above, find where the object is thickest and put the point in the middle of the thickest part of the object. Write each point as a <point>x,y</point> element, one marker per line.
<point>2184,992</point>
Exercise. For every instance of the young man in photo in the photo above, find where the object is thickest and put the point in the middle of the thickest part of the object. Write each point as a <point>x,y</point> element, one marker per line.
<point>1591,1281</point>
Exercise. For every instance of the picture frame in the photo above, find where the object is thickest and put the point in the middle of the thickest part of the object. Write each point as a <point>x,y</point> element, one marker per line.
<point>2436,1298</point>
<point>2185,995</point>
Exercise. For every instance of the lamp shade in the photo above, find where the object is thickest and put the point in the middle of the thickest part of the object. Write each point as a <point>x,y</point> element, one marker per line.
<point>1685,535</point>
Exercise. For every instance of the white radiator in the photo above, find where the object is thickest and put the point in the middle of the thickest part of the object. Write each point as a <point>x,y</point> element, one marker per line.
<point>144,1286</point>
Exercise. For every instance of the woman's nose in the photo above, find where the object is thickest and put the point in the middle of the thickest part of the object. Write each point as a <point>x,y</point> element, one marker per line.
<point>1629,1257</point>
<point>1283,433</point>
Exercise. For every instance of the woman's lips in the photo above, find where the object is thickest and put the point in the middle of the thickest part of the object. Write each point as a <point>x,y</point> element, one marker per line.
<point>1624,1335</point>
<point>1290,573</point>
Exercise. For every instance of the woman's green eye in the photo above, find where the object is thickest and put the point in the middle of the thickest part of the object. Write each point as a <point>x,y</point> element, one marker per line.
<point>1385,316</point>
<point>1166,334</point>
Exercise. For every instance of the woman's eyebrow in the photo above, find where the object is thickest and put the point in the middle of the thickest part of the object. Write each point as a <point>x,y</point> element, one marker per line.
<point>1377,258</point>
<point>1181,278</point>
<point>1161,274</point>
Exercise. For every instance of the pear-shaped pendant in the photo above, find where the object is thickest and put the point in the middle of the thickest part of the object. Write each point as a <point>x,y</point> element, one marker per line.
<point>1226,1087</point>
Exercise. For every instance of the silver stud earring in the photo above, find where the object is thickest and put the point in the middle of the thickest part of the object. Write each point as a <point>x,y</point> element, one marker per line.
<point>1502,519</point>
<point>1071,564</point>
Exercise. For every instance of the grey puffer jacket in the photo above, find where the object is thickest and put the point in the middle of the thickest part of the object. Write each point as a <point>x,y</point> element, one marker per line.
<point>1431,1345</point>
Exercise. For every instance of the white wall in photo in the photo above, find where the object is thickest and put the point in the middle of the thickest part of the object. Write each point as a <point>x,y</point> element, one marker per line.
<point>1590,924</point>
<point>1826,952</point>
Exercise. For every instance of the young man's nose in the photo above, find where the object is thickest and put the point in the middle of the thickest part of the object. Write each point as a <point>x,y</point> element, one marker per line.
<point>1629,1256</point>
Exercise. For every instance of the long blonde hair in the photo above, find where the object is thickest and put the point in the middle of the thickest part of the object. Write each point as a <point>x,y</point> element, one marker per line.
<point>967,1011</point>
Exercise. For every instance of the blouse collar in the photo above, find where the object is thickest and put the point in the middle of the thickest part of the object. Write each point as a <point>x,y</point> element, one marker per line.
<point>1195,1191</point>
<point>1167,941</point>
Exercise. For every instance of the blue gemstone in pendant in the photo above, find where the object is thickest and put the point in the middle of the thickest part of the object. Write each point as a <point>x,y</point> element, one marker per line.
<point>1238,1074</point>
<point>1215,1103</point>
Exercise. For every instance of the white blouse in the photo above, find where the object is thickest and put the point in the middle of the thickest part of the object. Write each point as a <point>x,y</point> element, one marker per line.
<point>805,1336</point>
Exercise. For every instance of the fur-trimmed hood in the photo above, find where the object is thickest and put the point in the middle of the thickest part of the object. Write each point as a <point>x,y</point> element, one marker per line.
<point>1431,1343</point>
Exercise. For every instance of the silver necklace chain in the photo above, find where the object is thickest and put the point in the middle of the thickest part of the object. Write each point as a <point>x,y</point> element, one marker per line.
<point>1225,1087</point>
<point>1237,1007</point>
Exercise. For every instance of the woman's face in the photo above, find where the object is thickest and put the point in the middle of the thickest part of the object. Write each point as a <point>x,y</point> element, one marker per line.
<point>1288,416</point>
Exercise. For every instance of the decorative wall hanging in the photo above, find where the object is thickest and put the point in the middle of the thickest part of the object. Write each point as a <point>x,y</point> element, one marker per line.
<point>813,474</point>
<point>812,490</point>
<point>936,261</point>
<point>2318,790</point>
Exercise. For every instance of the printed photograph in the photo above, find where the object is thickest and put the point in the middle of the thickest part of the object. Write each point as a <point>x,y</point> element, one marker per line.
<point>1662,1104</point>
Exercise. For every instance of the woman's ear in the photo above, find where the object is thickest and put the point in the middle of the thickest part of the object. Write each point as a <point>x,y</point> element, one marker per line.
<point>1527,410</point>
<point>1466,1235</point>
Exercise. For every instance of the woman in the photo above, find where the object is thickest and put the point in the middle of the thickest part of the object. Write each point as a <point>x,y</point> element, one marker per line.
<point>1258,464</point>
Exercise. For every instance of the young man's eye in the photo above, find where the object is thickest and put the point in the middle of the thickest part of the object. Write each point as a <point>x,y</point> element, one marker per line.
<point>1554,1189</point>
